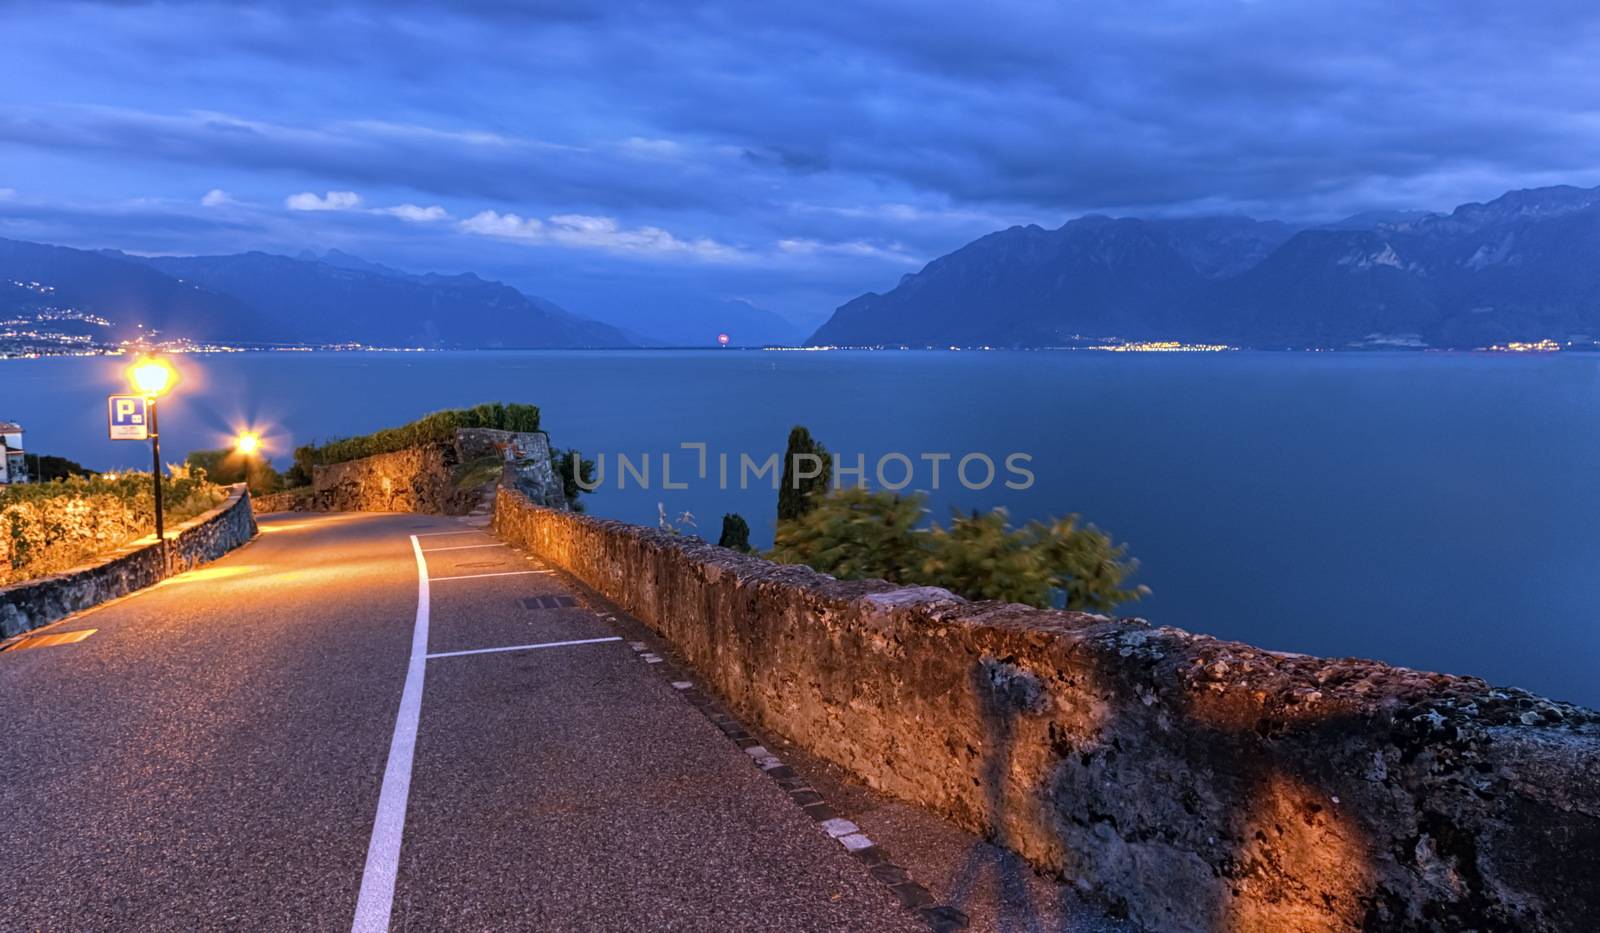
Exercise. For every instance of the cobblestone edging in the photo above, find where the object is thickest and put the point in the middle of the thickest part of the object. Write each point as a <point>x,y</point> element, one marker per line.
<point>26,606</point>
<point>1191,783</point>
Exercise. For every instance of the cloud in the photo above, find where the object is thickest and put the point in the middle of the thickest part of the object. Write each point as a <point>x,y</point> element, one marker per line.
<point>820,143</point>
<point>358,153</point>
<point>584,231</point>
<point>216,197</point>
<point>894,252</point>
<point>651,148</point>
<point>509,226</point>
<point>347,201</point>
<point>332,201</point>
<point>414,213</point>
<point>7,193</point>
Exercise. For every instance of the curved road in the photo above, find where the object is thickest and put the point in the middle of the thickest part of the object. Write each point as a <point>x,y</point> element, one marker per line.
<point>213,756</point>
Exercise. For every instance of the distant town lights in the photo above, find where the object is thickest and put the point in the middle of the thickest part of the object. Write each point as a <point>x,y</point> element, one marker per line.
<point>152,375</point>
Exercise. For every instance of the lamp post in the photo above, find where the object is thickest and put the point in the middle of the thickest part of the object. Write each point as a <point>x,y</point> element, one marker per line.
<point>153,376</point>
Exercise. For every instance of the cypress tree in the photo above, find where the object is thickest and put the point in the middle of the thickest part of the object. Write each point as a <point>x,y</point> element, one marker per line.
<point>796,496</point>
<point>735,533</point>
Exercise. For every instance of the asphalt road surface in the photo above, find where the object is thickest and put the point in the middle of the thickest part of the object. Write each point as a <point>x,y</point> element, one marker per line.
<point>310,735</point>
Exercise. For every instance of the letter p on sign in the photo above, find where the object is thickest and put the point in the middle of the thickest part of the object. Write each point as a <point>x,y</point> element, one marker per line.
<point>129,421</point>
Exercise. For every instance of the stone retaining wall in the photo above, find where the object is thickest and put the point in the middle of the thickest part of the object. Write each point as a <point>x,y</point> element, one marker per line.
<point>422,479</point>
<point>26,606</point>
<point>1193,783</point>
<point>416,479</point>
<point>293,500</point>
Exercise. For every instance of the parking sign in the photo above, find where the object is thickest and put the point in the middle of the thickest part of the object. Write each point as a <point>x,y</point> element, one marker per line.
<point>129,417</point>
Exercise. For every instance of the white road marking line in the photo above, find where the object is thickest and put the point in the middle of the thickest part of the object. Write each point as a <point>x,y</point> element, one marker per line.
<point>462,547</point>
<point>376,901</point>
<point>505,573</point>
<point>435,534</point>
<point>548,644</point>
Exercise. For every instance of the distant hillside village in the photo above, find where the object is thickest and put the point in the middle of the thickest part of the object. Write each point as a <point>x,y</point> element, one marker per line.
<point>14,465</point>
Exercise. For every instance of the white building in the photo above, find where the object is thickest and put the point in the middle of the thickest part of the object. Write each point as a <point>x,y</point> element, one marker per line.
<point>14,465</point>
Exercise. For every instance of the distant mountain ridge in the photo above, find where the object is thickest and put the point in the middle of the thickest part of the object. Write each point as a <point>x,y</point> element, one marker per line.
<point>128,293</point>
<point>348,300</point>
<point>263,298</point>
<point>1520,267</point>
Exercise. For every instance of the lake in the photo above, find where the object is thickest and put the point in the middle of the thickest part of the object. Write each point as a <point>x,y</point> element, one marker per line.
<point>1438,511</point>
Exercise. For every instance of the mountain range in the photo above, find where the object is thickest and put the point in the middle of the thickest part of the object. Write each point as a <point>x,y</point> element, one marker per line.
<point>1520,267</point>
<point>261,298</point>
<point>335,298</point>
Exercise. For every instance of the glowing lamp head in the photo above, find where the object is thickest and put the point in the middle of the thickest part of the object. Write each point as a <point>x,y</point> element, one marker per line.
<point>152,375</point>
<point>722,339</point>
<point>247,443</point>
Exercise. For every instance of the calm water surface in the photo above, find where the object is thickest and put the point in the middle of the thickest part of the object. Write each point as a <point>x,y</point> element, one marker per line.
<point>1437,511</point>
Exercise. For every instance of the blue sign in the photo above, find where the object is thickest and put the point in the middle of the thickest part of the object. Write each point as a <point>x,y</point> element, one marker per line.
<point>130,419</point>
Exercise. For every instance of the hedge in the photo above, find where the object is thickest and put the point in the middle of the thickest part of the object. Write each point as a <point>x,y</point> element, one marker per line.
<point>49,527</point>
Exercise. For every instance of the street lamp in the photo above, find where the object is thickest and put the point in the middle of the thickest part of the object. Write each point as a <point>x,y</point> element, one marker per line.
<point>248,443</point>
<point>153,376</point>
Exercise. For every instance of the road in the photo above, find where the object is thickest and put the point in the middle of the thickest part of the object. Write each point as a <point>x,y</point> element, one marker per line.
<point>232,750</point>
<point>395,722</point>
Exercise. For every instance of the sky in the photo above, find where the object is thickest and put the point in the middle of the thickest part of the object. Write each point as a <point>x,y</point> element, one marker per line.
<point>793,155</point>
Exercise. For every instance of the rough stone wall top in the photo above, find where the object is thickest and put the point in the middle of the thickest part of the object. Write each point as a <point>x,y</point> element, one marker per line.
<point>1195,783</point>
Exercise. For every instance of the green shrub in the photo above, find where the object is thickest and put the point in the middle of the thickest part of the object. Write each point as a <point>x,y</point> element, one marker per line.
<point>229,466</point>
<point>735,533</point>
<point>571,466</point>
<point>857,534</point>
<point>860,534</point>
<point>45,467</point>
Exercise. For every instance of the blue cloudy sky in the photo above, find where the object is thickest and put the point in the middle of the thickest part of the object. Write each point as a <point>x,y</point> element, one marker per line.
<point>790,154</point>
